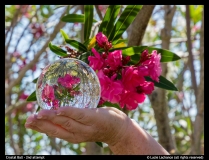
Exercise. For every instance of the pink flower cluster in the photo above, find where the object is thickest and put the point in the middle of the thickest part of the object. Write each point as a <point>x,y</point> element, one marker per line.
<point>120,83</point>
<point>53,95</point>
<point>49,97</point>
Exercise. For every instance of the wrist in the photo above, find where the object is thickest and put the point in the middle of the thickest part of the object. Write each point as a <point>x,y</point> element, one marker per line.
<point>136,141</point>
<point>122,141</point>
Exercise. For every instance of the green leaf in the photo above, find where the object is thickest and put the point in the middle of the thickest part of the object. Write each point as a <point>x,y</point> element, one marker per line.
<point>32,97</point>
<point>120,41</point>
<point>88,20</point>
<point>129,51</point>
<point>73,43</point>
<point>72,18</point>
<point>196,13</point>
<point>124,21</point>
<point>163,83</point>
<point>86,43</point>
<point>100,144</point>
<point>166,55</point>
<point>38,109</point>
<point>76,44</point>
<point>57,50</point>
<point>108,104</point>
<point>35,80</point>
<point>135,51</point>
<point>109,19</point>
<point>84,57</point>
<point>64,35</point>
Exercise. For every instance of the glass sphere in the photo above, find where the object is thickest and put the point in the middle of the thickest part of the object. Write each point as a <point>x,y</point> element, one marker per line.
<point>68,82</point>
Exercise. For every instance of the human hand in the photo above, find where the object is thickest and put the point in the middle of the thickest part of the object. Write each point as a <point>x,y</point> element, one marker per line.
<point>77,125</point>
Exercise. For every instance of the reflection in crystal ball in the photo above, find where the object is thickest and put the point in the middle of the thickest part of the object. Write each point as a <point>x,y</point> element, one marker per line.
<point>68,82</point>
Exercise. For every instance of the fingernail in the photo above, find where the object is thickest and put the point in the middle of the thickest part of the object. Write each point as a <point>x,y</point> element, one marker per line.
<point>39,117</point>
<point>29,122</point>
<point>59,113</point>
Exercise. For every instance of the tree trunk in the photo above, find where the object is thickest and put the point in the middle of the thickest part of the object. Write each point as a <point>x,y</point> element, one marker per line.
<point>140,24</point>
<point>138,28</point>
<point>93,149</point>
<point>158,97</point>
<point>199,119</point>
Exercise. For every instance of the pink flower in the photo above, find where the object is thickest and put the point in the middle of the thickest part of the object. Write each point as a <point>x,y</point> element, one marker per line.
<point>114,59</point>
<point>16,54</point>
<point>55,103</point>
<point>101,101</point>
<point>29,107</point>
<point>103,41</point>
<point>146,87</point>
<point>156,70</point>
<point>96,61</point>
<point>48,93</point>
<point>68,81</point>
<point>125,60</point>
<point>150,64</point>
<point>23,96</point>
<point>37,30</point>
<point>110,88</point>
<point>131,99</point>
<point>143,70</point>
<point>131,78</point>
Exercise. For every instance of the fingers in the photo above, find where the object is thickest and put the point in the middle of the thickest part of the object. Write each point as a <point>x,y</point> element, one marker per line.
<point>52,130</point>
<point>87,115</point>
<point>68,123</point>
<point>82,115</point>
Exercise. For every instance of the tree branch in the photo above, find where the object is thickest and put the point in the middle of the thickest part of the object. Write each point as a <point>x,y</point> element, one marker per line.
<point>13,26</point>
<point>36,57</point>
<point>25,29</point>
<point>172,40</point>
<point>14,20</point>
<point>98,12</point>
<point>158,97</point>
<point>189,48</point>
<point>19,104</point>
<point>199,119</point>
<point>12,143</point>
<point>140,24</point>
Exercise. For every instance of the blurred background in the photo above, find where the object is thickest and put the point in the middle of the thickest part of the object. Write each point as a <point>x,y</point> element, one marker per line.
<point>174,119</point>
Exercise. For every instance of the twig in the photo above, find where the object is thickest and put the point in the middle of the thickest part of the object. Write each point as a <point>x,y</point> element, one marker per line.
<point>181,77</point>
<point>54,145</point>
<point>189,48</point>
<point>12,143</point>
<point>9,109</point>
<point>25,29</point>
<point>94,28</point>
<point>13,22</point>
<point>98,12</point>
<point>36,58</point>
<point>172,40</point>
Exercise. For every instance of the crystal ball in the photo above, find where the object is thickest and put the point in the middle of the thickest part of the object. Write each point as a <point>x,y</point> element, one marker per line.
<point>68,82</point>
